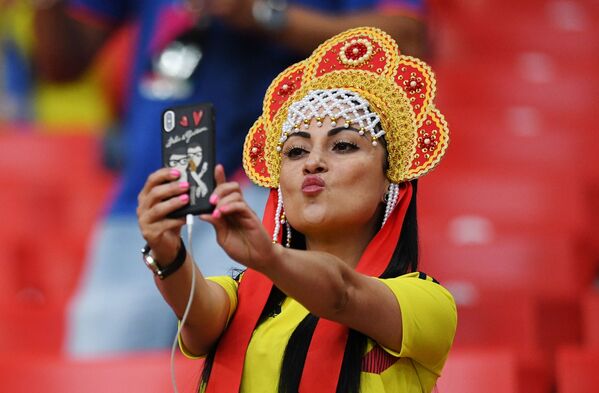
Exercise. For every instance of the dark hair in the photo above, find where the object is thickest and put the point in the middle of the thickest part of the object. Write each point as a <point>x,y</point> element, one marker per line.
<point>404,260</point>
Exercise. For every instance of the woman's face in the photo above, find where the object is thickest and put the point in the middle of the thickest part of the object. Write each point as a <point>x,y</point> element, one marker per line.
<point>332,179</point>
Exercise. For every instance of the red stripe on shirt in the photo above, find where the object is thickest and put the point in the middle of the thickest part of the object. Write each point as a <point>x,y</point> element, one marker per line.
<point>377,360</point>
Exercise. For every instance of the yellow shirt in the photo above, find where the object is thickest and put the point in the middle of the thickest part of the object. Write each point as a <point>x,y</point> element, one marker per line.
<point>429,321</point>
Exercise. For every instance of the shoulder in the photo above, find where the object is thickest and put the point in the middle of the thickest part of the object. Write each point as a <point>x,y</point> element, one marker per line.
<point>429,318</point>
<point>418,284</point>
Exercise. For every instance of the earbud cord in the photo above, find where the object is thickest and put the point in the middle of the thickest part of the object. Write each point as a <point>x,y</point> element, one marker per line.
<point>189,222</point>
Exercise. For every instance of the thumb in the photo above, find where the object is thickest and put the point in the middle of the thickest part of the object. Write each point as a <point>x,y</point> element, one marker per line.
<point>219,174</point>
<point>216,219</point>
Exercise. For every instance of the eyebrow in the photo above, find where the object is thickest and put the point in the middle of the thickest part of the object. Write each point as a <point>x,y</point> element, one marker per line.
<point>331,132</point>
<point>335,131</point>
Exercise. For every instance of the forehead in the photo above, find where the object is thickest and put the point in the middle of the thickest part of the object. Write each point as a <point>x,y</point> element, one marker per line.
<point>323,129</point>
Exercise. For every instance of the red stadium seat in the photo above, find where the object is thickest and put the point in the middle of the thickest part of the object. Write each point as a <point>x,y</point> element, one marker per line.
<point>34,329</point>
<point>513,290</point>
<point>590,317</point>
<point>48,213</point>
<point>524,203</point>
<point>468,28</point>
<point>520,100</point>
<point>55,189</point>
<point>479,370</point>
<point>520,141</point>
<point>136,373</point>
<point>576,370</point>
<point>504,320</point>
<point>489,260</point>
<point>496,320</point>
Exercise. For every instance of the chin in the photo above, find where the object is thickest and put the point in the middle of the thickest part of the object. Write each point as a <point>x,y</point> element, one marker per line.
<point>310,223</point>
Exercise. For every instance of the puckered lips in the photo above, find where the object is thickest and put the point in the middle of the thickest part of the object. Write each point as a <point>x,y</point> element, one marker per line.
<point>312,185</point>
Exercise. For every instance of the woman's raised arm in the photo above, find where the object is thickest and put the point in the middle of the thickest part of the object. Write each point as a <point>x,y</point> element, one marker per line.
<point>331,289</point>
<point>161,195</point>
<point>326,285</point>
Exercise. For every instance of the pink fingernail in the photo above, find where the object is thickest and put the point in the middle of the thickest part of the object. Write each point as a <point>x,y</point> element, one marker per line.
<point>184,184</point>
<point>224,208</point>
<point>184,197</point>
<point>216,213</point>
<point>213,199</point>
<point>175,172</point>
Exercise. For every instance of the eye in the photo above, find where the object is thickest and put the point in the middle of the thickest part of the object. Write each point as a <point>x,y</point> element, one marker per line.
<point>294,152</point>
<point>344,146</point>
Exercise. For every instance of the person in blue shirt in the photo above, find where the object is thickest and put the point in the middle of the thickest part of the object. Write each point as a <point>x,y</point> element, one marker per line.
<point>228,53</point>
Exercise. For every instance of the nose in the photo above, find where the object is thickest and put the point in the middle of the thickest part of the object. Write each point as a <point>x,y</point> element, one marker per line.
<point>315,163</point>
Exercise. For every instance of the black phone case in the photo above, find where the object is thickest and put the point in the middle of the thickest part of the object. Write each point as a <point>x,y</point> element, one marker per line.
<point>188,145</point>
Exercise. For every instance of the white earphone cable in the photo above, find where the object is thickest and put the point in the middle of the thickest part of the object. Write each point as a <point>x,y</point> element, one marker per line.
<point>189,222</point>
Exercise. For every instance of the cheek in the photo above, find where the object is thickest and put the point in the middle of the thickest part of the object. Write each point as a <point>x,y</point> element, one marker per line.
<point>364,181</point>
<point>291,175</point>
<point>289,184</point>
<point>357,193</point>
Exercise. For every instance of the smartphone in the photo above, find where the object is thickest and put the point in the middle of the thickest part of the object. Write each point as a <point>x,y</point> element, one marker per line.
<point>188,145</point>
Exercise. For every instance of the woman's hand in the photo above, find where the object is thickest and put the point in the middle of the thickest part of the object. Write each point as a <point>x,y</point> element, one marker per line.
<point>161,195</point>
<point>238,230</point>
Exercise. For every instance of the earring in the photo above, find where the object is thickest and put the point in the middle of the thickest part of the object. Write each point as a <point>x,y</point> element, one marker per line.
<point>280,219</point>
<point>275,234</point>
<point>288,242</point>
<point>391,200</point>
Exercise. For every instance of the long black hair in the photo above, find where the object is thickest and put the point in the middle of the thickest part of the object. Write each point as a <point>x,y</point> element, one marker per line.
<point>403,260</point>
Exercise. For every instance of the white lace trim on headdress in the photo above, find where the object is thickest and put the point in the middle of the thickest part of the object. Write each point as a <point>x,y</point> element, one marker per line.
<point>337,104</point>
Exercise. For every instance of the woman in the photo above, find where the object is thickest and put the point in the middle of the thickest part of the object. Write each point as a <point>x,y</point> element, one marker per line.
<point>331,300</point>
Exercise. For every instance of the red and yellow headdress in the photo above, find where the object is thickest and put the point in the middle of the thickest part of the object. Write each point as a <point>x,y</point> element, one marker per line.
<point>400,90</point>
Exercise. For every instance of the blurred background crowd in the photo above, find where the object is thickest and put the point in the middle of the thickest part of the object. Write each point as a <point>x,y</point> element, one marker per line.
<point>508,223</point>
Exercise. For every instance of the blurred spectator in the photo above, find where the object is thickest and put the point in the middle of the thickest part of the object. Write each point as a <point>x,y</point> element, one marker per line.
<point>225,52</point>
<point>80,104</point>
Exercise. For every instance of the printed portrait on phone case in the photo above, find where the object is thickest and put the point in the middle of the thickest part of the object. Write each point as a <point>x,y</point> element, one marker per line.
<point>187,147</point>
<point>189,161</point>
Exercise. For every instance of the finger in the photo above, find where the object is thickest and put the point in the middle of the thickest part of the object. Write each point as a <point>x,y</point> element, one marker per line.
<point>165,191</point>
<point>221,191</point>
<point>237,207</point>
<point>215,220</point>
<point>219,174</point>
<point>160,176</point>
<point>233,197</point>
<point>160,210</point>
